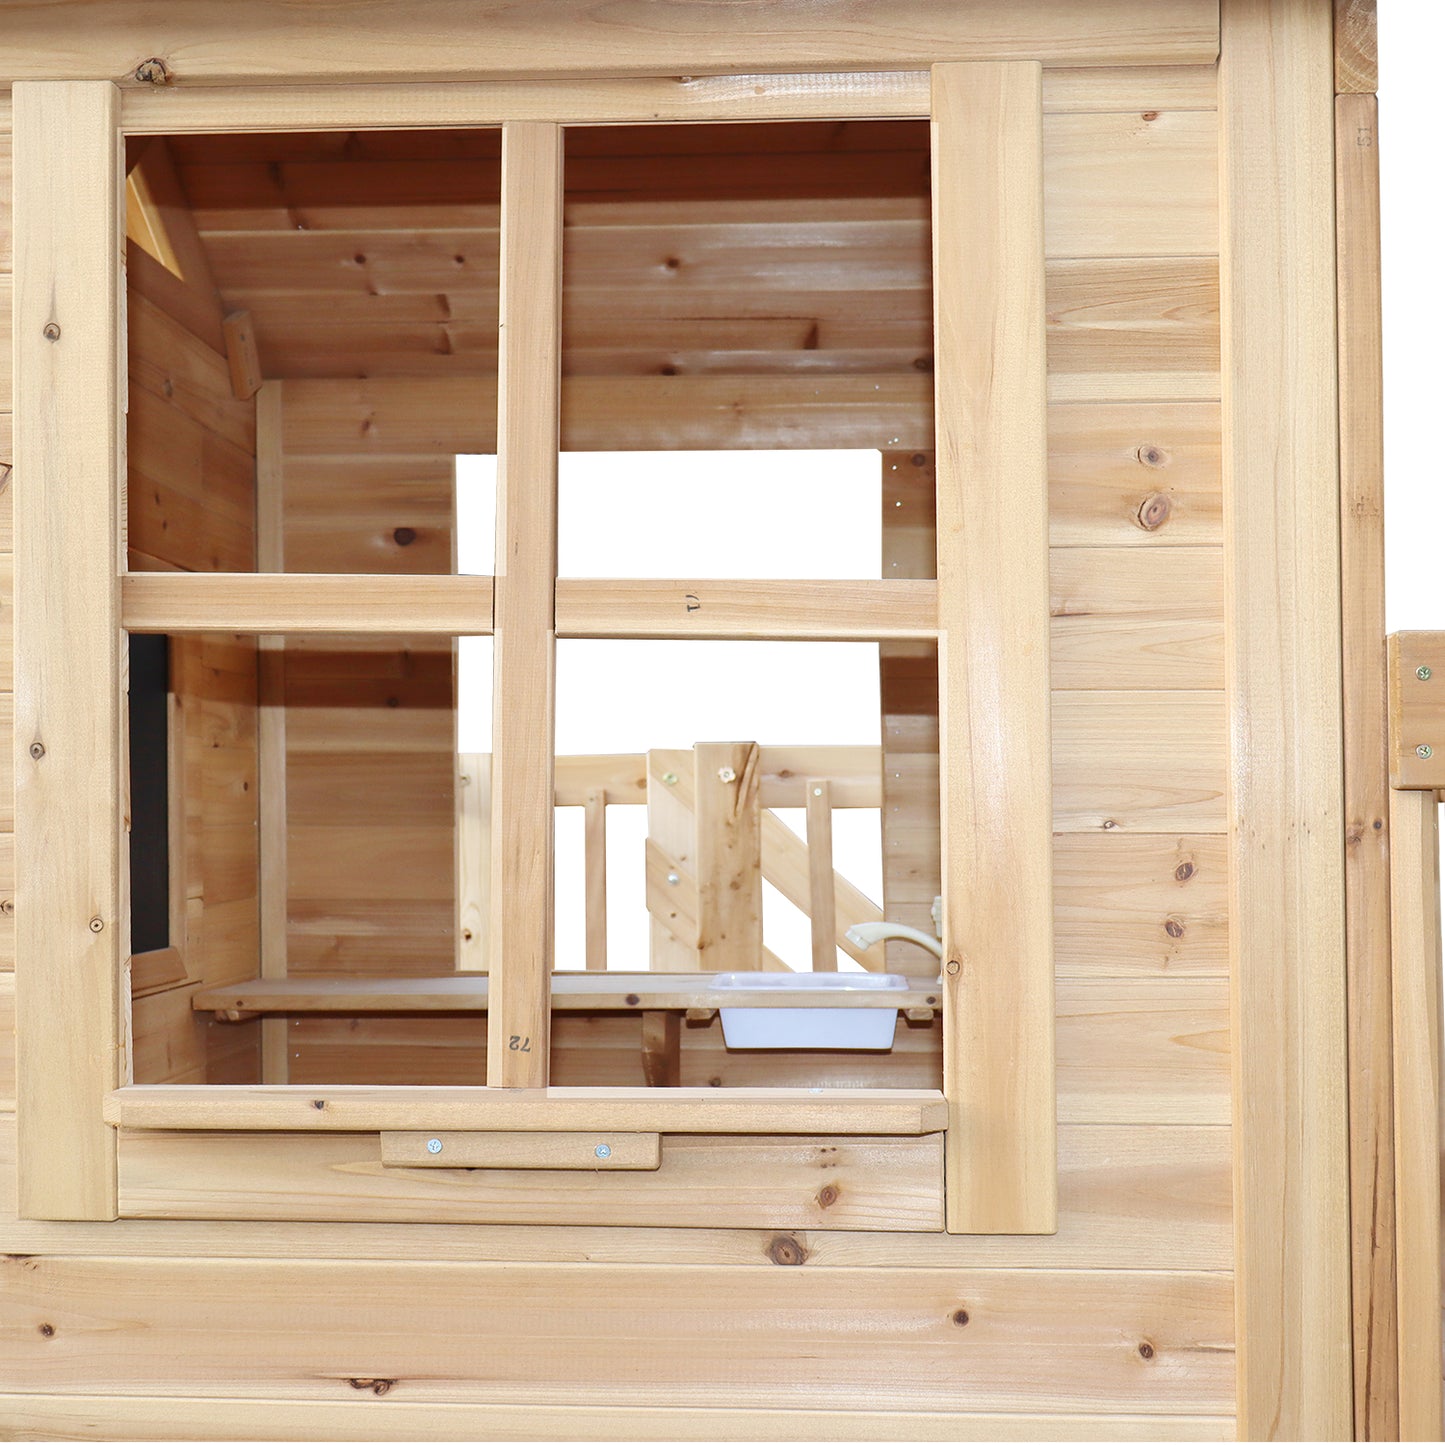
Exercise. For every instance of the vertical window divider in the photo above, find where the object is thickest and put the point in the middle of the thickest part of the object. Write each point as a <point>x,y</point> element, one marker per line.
<point>524,628</point>
<point>993,602</point>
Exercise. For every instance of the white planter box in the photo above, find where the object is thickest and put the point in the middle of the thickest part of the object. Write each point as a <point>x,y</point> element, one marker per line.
<point>809,1024</point>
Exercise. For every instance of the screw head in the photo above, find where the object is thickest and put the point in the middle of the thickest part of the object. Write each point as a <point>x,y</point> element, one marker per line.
<point>726,775</point>
<point>1423,673</point>
<point>51,331</point>
<point>953,966</point>
<point>603,1151</point>
<point>433,1146</point>
<point>673,879</point>
<point>670,779</point>
<point>37,751</point>
<point>96,925</point>
<point>817,792</point>
<point>1424,751</point>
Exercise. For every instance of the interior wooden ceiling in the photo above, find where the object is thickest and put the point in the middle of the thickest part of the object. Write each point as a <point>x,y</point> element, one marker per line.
<point>722,249</point>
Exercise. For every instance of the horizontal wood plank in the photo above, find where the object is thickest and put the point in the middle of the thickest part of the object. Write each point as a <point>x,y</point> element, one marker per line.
<point>521,1151</point>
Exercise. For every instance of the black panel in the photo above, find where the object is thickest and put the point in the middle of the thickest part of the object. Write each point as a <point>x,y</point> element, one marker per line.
<point>150,869</point>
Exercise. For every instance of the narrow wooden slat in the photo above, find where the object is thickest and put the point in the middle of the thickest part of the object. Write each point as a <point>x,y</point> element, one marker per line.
<point>662,1049</point>
<point>521,1151</point>
<point>994,646</point>
<point>594,864</point>
<point>524,681</point>
<point>474,860</point>
<point>1286,799</point>
<point>728,857</point>
<point>1357,46</point>
<point>684,1111</point>
<point>72,925</point>
<point>671,861</point>
<point>295,602</point>
<point>820,610</point>
<point>1415,933</point>
<point>821,898</point>
<point>1367,847</point>
<point>272,816</point>
<point>569,38</point>
<point>241,357</point>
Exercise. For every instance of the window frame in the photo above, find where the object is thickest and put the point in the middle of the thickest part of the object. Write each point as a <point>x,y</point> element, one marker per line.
<point>991,597</point>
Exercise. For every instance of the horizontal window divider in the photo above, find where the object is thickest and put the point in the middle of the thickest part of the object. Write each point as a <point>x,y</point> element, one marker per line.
<point>303,602</point>
<point>360,1109</point>
<point>572,992</point>
<point>864,609</point>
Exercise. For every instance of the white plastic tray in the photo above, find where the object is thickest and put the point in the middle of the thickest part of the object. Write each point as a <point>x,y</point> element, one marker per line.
<point>810,1025</point>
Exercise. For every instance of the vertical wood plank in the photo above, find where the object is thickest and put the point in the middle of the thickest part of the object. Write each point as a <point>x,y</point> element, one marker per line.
<point>70,915</point>
<point>1415,919</point>
<point>821,894</point>
<point>271,726</point>
<point>729,857</point>
<point>1367,848</point>
<point>594,881</point>
<point>992,503</point>
<point>474,860</point>
<point>1283,674</point>
<point>672,830</point>
<point>524,645</point>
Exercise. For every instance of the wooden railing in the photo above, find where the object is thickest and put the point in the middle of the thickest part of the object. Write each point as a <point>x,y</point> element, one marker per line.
<point>713,840</point>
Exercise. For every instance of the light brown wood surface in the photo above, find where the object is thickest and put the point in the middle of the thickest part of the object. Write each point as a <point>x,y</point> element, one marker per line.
<point>524,682</point>
<point>67,733</point>
<point>1286,807</point>
<point>993,648</point>
<point>1367,838</point>
<point>1415,939</point>
<point>521,1151</point>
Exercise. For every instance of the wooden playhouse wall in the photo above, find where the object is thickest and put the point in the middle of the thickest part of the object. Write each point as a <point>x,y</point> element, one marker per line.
<point>1121,1326</point>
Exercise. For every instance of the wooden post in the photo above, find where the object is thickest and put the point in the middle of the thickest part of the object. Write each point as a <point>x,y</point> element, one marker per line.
<point>594,868</point>
<point>71,918</point>
<point>992,501</point>
<point>729,857</point>
<point>271,728</point>
<point>524,701</point>
<point>1284,682</point>
<point>474,860</point>
<point>821,894</point>
<point>1415,923</point>
<point>1367,837</point>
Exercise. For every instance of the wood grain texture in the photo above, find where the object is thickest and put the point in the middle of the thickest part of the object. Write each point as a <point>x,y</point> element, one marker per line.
<point>437,40</point>
<point>1286,800</point>
<point>1357,47</point>
<point>71,922</point>
<point>1367,839</point>
<point>475,1332</point>
<point>1417,710</point>
<point>1415,930</point>
<point>772,1183</point>
<point>993,648</point>
<point>524,681</point>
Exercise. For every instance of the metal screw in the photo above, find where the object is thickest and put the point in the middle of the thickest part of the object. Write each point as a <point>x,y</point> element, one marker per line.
<point>673,879</point>
<point>817,792</point>
<point>670,779</point>
<point>603,1151</point>
<point>726,775</point>
<point>96,925</point>
<point>954,965</point>
<point>1424,751</point>
<point>433,1146</point>
<point>37,751</point>
<point>51,331</point>
<point>1423,673</point>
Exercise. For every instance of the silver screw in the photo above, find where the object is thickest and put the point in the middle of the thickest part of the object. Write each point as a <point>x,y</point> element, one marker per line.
<point>433,1146</point>
<point>817,792</point>
<point>603,1151</point>
<point>1424,751</point>
<point>726,775</point>
<point>673,879</point>
<point>670,779</point>
<point>1423,673</point>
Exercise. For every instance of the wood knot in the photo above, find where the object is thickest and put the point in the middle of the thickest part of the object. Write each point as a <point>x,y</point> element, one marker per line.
<point>153,72</point>
<point>828,1196</point>
<point>672,264</point>
<point>1184,872</point>
<point>1154,511</point>
<point>786,1249</point>
<point>404,536</point>
<point>960,1317</point>
<point>632,1000</point>
<point>48,1331</point>
<point>1174,928</point>
<point>1146,1351</point>
<point>918,459</point>
<point>1152,456</point>
<point>1149,115</point>
<point>318,1103</point>
<point>376,1386</point>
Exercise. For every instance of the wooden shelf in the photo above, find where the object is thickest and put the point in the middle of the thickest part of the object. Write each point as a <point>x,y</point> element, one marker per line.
<point>358,1108</point>
<point>571,993</point>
